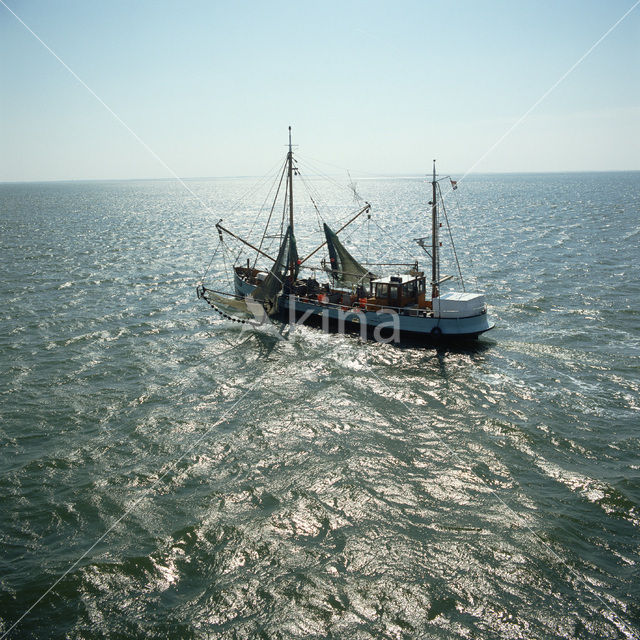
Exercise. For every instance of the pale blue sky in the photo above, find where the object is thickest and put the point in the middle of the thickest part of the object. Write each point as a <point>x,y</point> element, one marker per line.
<point>378,87</point>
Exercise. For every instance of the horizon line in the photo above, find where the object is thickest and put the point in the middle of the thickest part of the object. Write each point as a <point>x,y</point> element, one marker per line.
<point>363,176</point>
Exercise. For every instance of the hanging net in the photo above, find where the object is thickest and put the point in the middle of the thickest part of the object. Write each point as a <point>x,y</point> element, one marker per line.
<point>344,267</point>
<point>263,302</point>
<point>267,291</point>
<point>244,310</point>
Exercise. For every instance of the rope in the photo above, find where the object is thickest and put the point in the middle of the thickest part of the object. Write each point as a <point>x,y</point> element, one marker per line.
<point>206,271</point>
<point>356,227</point>
<point>455,253</point>
<point>336,166</point>
<point>328,178</point>
<point>257,216</point>
<point>252,189</point>
<point>273,206</point>
<point>472,265</point>
<point>465,237</point>
<point>226,268</point>
<point>310,193</point>
<point>390,236</point>
<point>320,172</point>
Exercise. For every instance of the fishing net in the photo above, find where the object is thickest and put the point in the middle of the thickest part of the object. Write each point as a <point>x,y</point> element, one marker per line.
<point>344,267</point>
<point>262,303</point>
<point>267,291</point>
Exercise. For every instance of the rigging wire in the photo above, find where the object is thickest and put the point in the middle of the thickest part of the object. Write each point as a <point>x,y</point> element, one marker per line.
<point>472,264</point>
<point>317,197</point>
<point>305,162</point>
<point>464,232</point>
<point>267,196</point>
<point>226,268</point>
<point>264,179</point>
<point>273,206</point>
<point>352,231</point>
<point>353,193</point>
<point>330,164</point>
<point>453,246</point>
<point>390,237</point>
<point>257,216</point>
<point>311,192</point>
<point>250,191</point>
<point>341,186</point>
<point>206,271</point>
<point>319,217</point>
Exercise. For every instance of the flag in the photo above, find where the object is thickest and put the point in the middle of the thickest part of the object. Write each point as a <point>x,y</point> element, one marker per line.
<point>454,184</point>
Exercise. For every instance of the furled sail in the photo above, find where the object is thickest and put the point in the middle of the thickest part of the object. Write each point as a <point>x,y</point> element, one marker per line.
<point>267,291</point>
<point>344,267</point>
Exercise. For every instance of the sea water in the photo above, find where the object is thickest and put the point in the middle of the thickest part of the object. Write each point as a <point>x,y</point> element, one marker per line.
<point>169,474</point>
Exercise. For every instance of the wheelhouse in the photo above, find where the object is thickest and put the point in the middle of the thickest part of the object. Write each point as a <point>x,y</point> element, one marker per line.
<point>399,291</point>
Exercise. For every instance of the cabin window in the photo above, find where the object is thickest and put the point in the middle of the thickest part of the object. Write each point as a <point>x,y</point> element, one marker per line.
<point>382,290</point>
<point>421,286</point>
<point>393,292</point>
<point>410,289</point>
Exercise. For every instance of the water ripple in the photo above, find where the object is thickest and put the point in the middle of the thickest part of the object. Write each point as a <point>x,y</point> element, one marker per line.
<point>318,486</point>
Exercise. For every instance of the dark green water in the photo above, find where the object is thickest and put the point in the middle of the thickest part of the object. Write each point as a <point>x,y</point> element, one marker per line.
<point>165,474</point>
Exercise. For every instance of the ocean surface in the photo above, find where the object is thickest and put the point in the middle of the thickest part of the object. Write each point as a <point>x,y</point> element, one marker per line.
<point>165,473</point>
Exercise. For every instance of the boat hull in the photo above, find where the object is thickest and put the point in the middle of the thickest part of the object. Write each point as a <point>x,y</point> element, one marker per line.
<point>383,325</point>
<point>242,287</point>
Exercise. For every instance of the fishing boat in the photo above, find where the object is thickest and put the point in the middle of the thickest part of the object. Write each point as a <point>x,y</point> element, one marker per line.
<point>342,294</point>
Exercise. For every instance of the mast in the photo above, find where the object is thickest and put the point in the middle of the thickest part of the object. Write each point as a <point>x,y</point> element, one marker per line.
<point>434,237</point>
<point>291,266</point>
<point>290,177</point>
